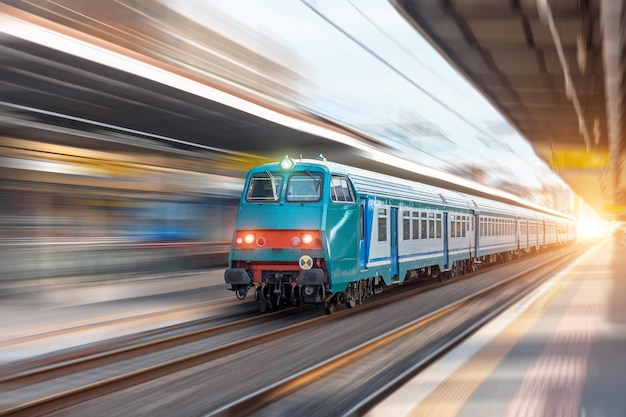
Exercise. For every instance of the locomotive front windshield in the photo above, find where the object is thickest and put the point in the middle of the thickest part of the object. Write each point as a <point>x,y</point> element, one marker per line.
<point>264,187</point>
<point>300,187</point>
<point>305,186</point>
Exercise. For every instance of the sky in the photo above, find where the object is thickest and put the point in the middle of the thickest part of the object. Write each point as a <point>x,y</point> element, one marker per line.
<point>369,69</point>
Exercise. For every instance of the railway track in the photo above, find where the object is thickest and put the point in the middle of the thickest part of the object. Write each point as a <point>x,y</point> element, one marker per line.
<point>20,381</point>
<point>400,355</point>
<point>22,376</point>
<point>66,381</point>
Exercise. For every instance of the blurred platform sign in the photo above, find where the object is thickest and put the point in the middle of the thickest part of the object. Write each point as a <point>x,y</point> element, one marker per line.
<point>575,159</point>
<point>614,208</point>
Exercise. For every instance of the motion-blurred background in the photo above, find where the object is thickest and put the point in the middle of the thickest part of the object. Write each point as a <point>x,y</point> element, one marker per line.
<point>126,127</point>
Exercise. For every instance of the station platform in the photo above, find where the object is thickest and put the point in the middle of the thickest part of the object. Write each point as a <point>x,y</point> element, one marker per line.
<point>64,315</point>
<point>559,352</point>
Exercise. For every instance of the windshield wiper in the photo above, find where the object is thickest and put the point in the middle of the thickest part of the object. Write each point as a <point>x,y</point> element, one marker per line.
<point>274,184</point>
<point>316,179</point>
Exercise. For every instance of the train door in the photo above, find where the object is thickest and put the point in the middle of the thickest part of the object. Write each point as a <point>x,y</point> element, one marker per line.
<point>394,265</point>
<point>476,237</point>
<point>517,234</point>
<point>366,220</point>
<point>445,240</point>
<point>524,235</point>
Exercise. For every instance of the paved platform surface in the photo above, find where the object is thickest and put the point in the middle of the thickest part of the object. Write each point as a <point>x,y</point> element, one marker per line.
<point>63,316</point>
<point>559,352</point>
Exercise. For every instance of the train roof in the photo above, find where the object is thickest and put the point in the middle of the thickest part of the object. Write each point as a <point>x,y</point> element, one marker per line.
<point>384,185</point>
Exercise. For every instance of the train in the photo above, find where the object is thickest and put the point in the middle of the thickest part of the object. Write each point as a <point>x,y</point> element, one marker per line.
<point>311,231</point>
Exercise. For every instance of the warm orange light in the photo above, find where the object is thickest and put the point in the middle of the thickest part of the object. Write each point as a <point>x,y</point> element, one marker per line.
<point>277,238</point>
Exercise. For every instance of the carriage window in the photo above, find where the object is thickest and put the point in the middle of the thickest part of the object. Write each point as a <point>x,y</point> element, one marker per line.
<point>452,227</point>
<point>340,190</point>
<point>382,225</point>
<point>431,225</point>
<point>463,226</point>
<point>438,231</point>
<point>416,225</point>
<point>424,226</point>
<point>306,186</point>
<point>406,225</point>
<point>264,187</point>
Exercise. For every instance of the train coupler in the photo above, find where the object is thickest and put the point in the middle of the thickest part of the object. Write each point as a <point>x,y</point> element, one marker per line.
<point>239,281</point>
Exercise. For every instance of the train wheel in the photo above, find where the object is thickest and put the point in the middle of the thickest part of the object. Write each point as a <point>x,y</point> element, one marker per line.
<point>435,273</point>
<point>264,305</point>
<point>353,294</point>
<point>329,306</point>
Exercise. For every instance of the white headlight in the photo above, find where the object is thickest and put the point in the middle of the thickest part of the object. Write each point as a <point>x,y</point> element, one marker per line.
<point>287,164</point>
<point>307,238</point>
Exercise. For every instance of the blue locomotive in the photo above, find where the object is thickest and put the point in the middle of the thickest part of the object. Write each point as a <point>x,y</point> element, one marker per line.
<point>317,232</point>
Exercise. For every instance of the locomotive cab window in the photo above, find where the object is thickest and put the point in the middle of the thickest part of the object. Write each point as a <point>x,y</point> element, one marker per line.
<point>340,190</point>
<point>264,187</point>
<point>305,186</point>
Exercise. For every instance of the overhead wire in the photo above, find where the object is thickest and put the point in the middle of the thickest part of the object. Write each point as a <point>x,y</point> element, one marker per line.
<point>397,71</point>
<point>394,69</point>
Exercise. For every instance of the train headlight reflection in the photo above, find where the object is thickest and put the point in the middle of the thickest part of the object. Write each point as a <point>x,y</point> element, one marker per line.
<point>307,238</point>
<point>248,238</point>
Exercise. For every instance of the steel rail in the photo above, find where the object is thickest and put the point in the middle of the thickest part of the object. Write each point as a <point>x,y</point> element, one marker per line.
<point>257,400</point>
<point>88,391</point>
